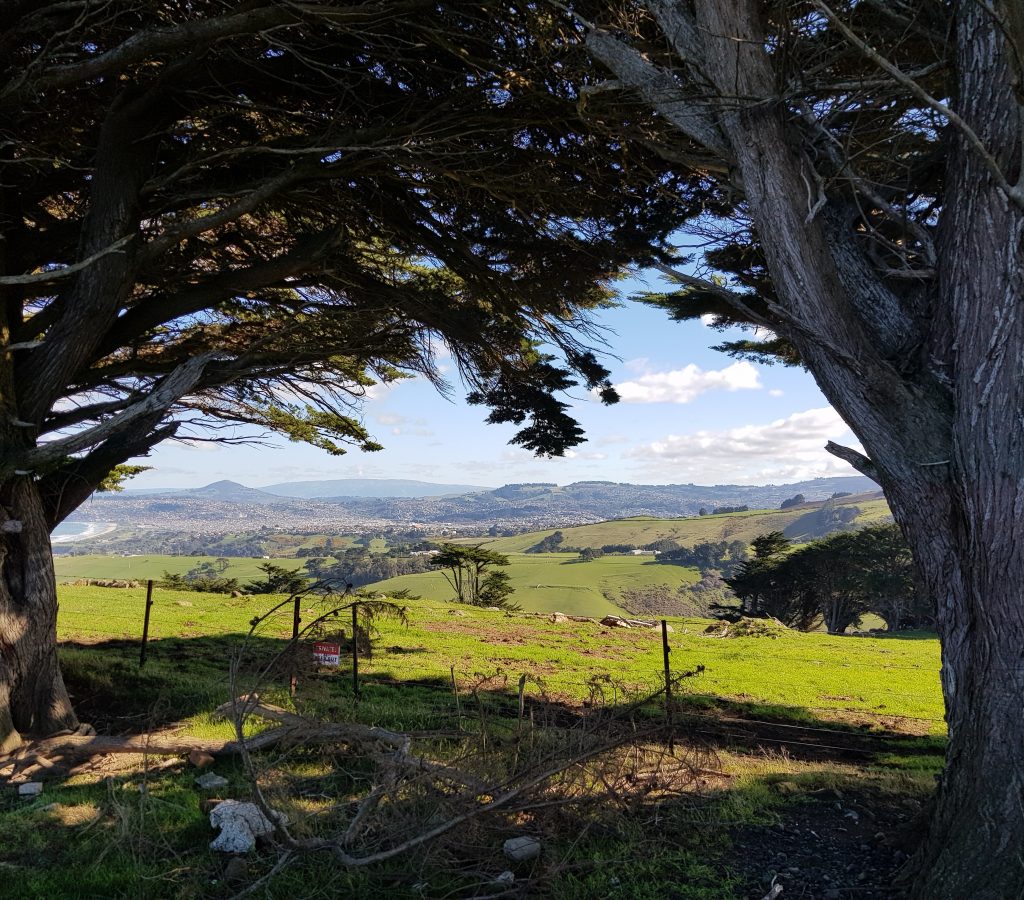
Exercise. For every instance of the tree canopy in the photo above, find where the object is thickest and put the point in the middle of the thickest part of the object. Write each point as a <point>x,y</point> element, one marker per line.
<point>217,215</point>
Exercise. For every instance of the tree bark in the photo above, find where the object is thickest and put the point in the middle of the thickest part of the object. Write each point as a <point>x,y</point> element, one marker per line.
<point>947,440</point>
<point>972,846</point>
<point>33,698</point>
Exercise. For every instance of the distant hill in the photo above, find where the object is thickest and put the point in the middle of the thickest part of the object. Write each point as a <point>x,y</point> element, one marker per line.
<point>368,487</point>
<point>227,492</point>
<point>227,506</point>
<point>596,500</point>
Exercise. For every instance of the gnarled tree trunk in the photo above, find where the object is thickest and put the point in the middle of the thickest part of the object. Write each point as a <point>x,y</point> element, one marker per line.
<point>33,698</point>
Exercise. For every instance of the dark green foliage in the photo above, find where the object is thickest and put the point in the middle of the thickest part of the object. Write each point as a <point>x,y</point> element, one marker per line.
<point>835,580</point>
<point>251,236</point>
<point>793,501</point>
<point>279,580</point>
<point>719,556</point>
<point>550,544</point>
<point>359,567</point>
<point>207,578</point>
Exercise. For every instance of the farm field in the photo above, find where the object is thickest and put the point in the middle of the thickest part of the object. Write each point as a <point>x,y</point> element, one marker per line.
<point>143,567</point>
<point>547,582</point>
<point>873,677</point>
<point>135,826</point>
<point>559,582</point>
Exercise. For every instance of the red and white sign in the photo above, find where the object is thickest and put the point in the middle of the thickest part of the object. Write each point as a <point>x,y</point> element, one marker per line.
<point>327,654</point>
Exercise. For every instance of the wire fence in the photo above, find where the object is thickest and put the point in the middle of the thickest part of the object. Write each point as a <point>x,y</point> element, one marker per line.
<point>474,654</point>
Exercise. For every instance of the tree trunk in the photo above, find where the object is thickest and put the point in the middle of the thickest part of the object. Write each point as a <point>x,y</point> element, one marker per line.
<point>973,845</point>
<point>33,698</point>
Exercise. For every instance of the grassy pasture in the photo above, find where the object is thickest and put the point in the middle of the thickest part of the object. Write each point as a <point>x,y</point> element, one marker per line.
<point>143,567</point>
<point>550,582</point>
<point>877,677</point>
<point>543,582</point>
<point>142,832</point>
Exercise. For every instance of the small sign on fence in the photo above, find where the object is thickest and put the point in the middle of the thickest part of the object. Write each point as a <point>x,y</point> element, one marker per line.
<point>327,654</point>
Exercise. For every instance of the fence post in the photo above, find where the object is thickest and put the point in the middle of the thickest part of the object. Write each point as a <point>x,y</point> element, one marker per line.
<point>355,649</point>
<point>455,691</point>
<point>145,623</point>
<point>668,680</point>
<point>296,621</point>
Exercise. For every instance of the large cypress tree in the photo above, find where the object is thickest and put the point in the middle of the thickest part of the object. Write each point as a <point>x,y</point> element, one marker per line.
<point>863,164</point>
<point>213,215</point>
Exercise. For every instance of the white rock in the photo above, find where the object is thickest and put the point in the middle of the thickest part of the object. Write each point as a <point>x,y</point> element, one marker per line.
<point>506,878</point>
<point>240,824</point>
<point>557,617</point>
<point>522,849</point>
<point>211,781</point>
<point>30,789</point>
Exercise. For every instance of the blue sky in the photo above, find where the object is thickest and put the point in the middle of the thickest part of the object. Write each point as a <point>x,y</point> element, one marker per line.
<point>688,414</point>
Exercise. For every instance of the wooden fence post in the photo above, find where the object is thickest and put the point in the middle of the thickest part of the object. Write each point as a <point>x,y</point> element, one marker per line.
<point>668,681</point>
<point>296,621</point>
<point>355,650</point>
<point>145,623</point>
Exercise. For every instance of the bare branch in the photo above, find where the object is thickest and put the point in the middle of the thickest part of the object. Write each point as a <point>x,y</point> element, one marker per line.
<point>858,460</point>
<point>170,389</point>
<point>56,274</point>
<point>659,89</point>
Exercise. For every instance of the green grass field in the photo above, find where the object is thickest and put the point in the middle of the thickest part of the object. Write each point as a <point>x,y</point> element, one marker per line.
<point>544,582</point>
<point>558,582</point>
<point>139,831</point>
<point>876,677</point>
<point>143,567</point>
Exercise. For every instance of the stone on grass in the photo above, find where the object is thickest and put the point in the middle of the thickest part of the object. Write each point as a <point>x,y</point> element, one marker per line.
<point>522,849</point>
<point>30,789</point>
<point>236,870</point>
<point>615,622</point>
<point>200,758</point>
<point>557,618</point>
<point>211,781</point>
<point>506,878</point>
<point>240,823</point>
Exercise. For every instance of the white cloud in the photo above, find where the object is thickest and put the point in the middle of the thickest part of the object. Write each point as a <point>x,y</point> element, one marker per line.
<point>775,392</point>
<point>592,455</point>
<point>391,419</point>
<point>782,450</point>
<point>685,385</point>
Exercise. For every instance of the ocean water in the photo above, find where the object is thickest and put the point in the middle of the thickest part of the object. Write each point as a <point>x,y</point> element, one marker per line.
<point>71,529</point>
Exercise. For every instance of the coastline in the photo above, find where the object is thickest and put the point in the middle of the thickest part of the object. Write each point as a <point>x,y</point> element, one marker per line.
<point>94,529</point>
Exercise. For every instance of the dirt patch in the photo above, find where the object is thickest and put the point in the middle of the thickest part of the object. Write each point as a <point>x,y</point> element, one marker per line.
<point>827,846</point>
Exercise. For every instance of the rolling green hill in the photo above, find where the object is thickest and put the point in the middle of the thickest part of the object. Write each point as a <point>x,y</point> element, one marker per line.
<point>742,526</point>
<point>550,582</point>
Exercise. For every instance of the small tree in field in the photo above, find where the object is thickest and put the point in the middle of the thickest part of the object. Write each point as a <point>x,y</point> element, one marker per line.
<point>471,573</point>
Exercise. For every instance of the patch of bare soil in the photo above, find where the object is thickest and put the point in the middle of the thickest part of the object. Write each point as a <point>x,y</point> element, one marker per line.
<point>828,846</point>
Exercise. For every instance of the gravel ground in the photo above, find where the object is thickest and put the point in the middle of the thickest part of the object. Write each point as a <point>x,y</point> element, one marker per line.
<point>828,846</point>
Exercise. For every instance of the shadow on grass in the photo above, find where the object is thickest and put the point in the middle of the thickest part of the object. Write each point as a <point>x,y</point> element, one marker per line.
<point>185,677</point>
<point>720,838</point>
